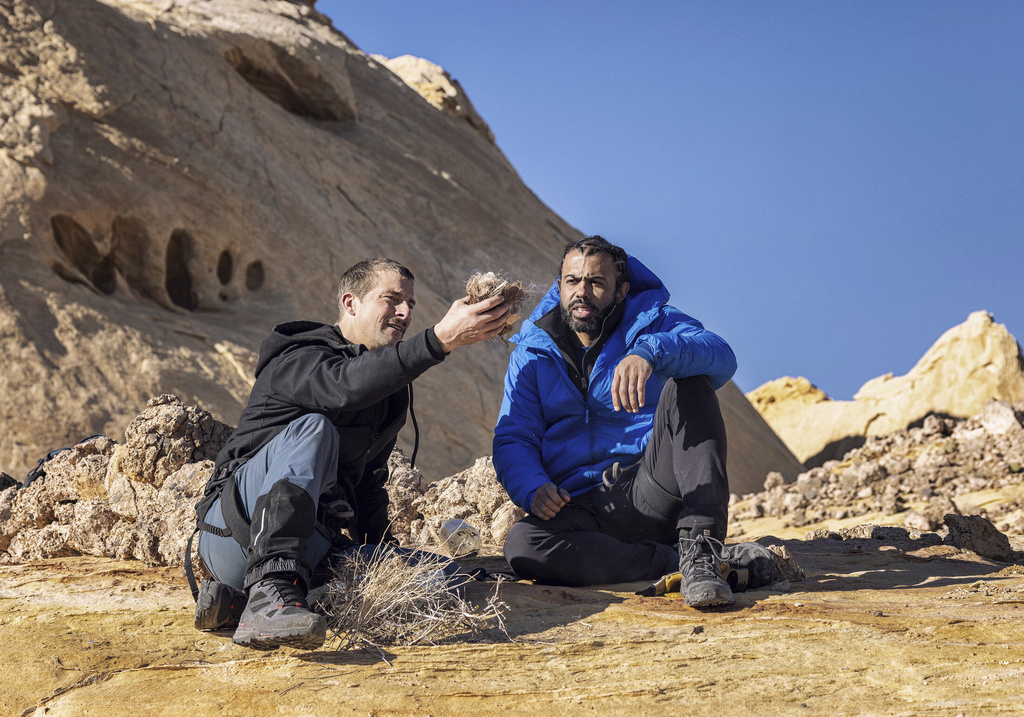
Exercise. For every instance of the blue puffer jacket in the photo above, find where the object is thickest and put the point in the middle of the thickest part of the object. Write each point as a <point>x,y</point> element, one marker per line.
<point>549,429</point>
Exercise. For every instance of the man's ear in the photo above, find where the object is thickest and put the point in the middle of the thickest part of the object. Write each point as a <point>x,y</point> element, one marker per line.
<point>621,291</point>
<point>348,303</point>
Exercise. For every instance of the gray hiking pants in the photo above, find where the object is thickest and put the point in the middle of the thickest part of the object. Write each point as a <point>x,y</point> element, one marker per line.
<point>280,488</point>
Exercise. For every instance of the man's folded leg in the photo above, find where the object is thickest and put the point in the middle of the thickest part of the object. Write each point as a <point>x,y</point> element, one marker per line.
<point>572,549</point>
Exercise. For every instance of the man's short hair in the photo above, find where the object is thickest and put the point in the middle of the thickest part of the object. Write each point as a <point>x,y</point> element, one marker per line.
<point>599,245</point>
<point>361,277</point>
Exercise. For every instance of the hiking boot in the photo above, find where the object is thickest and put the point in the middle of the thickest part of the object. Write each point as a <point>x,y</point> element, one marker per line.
<point>218,606</point>
<point>699,563</point>
<point>276,615</point>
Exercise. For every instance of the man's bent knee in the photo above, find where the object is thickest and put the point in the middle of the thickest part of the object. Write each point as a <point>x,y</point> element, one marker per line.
<point>313,426</point>
<point>521,548</point>
<point>695,385</point>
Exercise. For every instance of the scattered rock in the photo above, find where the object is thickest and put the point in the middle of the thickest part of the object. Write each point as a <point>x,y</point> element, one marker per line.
<point>998,417</point>
<point>134,500</point>
<point>786,568</point>
<point>916,473</point>
<point>975,533</point>
<point>417,509</point>
<point>166,436</point>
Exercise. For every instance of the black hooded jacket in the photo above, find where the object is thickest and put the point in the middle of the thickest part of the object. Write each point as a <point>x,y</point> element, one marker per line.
<point>308,367</point>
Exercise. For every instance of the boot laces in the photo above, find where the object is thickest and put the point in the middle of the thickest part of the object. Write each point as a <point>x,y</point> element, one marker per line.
<point>704,554</point>
<point>289,594</point>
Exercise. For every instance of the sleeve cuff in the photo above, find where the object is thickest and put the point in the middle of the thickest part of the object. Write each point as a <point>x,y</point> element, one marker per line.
<point>434,345</point>
<point>643,351</point>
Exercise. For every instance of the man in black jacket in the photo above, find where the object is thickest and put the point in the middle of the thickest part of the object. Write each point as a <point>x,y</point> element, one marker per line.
<point>309,455</point>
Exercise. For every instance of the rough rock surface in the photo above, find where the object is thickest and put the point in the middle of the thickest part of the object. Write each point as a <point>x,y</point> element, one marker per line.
<point>165,437</point>
<point>129,500</point>
<point>913,477</point>
<point>177,177</point>
<point>969,364</point>
<point>438,88</point>
<point>878,627</point>
<point>418,509</point>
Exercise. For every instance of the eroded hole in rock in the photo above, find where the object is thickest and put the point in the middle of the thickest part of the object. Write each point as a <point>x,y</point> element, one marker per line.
<point>102,275</point>
<point>178,281</point>
<point>225,267</point>
<point>76,243</point>
<point>254,276</point>
<point>291,83</point>
<point>131,247</point>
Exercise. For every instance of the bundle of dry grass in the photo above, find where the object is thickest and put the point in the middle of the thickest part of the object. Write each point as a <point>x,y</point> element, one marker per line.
<point>484,286</point>
<point>383,599</point>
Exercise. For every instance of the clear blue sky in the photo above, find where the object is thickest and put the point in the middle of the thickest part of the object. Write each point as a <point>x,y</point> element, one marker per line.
<point>828,185</point>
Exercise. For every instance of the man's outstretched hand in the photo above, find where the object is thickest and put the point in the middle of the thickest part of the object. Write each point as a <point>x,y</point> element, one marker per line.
<point>467,323</point>
<point>548,500</point>
<point>629,383</point>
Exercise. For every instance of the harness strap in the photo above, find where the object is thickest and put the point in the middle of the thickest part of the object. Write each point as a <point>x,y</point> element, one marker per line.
<point>225,487</point>
<point>233,512</point>
<point>187,562</point>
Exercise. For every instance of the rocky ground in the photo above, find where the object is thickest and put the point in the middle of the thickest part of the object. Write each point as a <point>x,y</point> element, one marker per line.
<point>893,616</point>
<point>912,477</point>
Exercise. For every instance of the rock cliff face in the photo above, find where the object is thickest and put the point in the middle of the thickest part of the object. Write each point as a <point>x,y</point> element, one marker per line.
<point>968,365</point>
<point>176,178</point>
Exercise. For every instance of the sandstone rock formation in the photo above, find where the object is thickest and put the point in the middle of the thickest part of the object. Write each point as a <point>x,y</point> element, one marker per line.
<point>418,509</point>
<point>920,478</point>
<point>175,178</point>
<point>133,500</point>
<point>438,88</point>
<point>969,364</point>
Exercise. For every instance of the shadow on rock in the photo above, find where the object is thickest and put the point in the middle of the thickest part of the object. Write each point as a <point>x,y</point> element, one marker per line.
<point>870,557</point>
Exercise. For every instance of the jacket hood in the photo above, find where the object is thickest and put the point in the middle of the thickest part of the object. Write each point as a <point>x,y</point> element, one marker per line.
<point>301,333</point>
<point>647,294</point>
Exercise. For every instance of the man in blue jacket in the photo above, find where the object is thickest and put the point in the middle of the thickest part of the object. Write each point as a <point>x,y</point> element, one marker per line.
<point>618,487</point>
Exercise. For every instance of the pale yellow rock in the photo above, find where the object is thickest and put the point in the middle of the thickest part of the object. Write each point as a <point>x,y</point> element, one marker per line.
<point>968,365</point>
<point>437,87</point>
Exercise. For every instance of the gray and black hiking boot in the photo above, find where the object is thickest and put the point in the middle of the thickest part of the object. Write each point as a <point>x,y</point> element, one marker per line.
<point>218,606</point>
<point>700,564</point>
<point>276,615</point>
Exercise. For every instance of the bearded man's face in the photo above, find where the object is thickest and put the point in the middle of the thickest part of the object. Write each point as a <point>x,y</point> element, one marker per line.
<point>588,291</point>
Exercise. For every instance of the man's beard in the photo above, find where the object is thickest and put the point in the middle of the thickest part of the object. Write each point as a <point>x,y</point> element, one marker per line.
<point>591,326</point>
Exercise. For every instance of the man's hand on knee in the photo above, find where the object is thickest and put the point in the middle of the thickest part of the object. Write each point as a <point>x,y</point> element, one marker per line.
<point>548,500</point>
<point>629,383</point>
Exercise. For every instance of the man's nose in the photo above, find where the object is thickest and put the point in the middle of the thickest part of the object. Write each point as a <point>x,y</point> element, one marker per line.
<point>403,309</point>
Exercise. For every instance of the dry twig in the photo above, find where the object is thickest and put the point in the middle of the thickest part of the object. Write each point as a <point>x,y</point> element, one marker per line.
<point>385,599</point>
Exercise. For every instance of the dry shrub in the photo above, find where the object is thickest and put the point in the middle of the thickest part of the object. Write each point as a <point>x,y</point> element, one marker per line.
<point>484,286</point>
<point>383,599</point>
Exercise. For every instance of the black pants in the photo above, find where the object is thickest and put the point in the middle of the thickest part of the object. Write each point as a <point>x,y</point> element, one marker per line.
<point>619,533</point>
